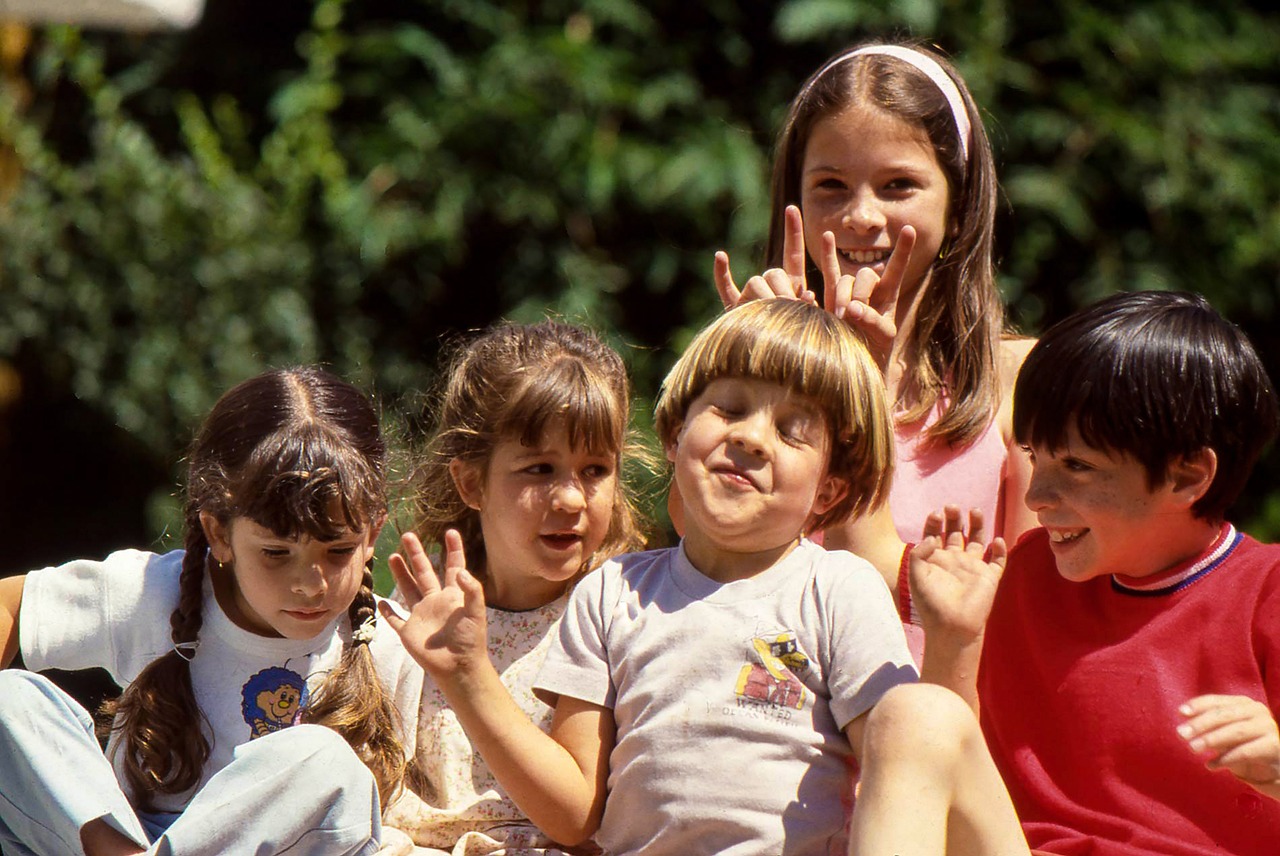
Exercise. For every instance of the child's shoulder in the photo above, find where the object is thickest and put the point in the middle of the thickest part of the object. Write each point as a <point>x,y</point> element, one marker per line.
<point>630,568</point>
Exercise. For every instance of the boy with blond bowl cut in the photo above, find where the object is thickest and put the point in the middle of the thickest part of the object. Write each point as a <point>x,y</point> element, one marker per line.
<point>716,691</point>
<point>1128,662</point>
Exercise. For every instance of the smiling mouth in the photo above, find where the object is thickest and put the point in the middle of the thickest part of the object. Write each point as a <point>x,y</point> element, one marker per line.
<point>307,614</point>
<point>865,257</point>
<point>1066,536</point>
<point>736,476</point>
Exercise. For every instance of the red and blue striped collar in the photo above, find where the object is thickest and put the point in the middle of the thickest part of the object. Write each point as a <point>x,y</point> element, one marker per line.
<point>1169,583</point>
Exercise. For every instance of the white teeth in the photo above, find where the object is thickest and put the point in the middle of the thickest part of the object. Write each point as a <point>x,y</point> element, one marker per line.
<point>865,257</point>
<point>1057,536</point>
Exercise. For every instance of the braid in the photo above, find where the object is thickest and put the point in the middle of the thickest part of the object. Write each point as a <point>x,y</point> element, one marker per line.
<point>353,702</point>
<point>157,715</point>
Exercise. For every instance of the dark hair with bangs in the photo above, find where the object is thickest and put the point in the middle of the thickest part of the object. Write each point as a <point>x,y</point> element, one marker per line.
<point>515,382</point>
<point>808,350</point>
<point>300,452</point>
<point>962,317</point>
<point>1156,375</point>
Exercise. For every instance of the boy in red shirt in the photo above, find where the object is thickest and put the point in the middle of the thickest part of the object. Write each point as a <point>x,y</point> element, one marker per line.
<point>1128,663</point>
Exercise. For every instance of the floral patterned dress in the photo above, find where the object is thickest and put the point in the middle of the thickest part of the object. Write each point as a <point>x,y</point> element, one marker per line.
<point>462,810</point>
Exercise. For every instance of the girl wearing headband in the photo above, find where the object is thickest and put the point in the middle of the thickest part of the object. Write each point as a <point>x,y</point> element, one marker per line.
<point>884,181</point>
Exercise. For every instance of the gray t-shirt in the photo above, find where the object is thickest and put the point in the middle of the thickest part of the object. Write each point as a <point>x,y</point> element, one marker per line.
<point>730,699</point>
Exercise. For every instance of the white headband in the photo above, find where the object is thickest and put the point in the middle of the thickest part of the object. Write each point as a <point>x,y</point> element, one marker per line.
<point>926,65</point>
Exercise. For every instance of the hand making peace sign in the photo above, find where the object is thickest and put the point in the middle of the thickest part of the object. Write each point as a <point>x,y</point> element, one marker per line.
<point>867,301</point>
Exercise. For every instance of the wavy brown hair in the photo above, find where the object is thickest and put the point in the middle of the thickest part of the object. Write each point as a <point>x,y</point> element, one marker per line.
<point>511,382</point>
<point>300,452</point>
<point>961,321</point>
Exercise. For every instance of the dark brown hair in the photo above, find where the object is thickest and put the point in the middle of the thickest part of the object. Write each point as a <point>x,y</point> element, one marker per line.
<point>1157,375</point>
<point>284,449</point>
<point>956,337</point>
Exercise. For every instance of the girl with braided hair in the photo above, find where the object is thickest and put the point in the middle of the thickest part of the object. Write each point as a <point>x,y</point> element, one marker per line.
<point>233,653</point>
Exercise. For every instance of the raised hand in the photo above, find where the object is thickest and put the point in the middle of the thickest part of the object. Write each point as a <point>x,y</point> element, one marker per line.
<point>446,631</point>
<point>786,282</point>
<point>1235,733</point>
<point>868,301</point>
<point>954,576</point>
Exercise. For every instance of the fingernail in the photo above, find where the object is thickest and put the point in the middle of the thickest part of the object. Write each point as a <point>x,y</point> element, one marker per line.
<point>1184,730</point>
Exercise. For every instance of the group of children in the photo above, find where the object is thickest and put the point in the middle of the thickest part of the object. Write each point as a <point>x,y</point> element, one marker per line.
<point>1107,685</point>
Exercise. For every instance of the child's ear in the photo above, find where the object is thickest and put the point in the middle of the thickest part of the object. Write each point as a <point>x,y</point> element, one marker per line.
<point>1190,476</point>
<point>218,536</point>
<point>831,490</point>
<point>468,481</point>
<point>375,529</point>
<point>672,441</point>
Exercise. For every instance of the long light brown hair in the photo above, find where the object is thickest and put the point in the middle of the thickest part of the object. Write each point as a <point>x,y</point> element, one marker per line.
<point>957,334</point>
<point>300,452</point>
<point>511,382</point>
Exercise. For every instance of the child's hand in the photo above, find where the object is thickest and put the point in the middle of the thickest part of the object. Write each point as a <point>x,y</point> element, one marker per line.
<point>787,282</point>
<point>954,578</point>
<point>446,631</point>
<point>1235,733</point>
<point>868,302</point>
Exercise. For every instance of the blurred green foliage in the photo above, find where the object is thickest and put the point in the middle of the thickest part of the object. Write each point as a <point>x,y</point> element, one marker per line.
<point>385,175</point>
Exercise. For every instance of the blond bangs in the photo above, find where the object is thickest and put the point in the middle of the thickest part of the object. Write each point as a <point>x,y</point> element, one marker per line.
<point>811,352</point>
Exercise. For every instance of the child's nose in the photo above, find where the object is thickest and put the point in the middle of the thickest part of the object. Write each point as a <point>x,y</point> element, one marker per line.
<point>863,213</point>
<point>1040,491</point>
<point>311,581</point>
<point>749,435</point>
<point>568,495</point>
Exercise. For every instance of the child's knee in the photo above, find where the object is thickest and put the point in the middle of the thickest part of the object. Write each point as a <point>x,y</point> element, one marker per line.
<point>23,693</point>
<point>922,721</point>
<point>312,752</point>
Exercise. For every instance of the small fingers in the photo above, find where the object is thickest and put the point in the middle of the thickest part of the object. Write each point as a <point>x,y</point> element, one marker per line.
<point>793,253</point>
<point>896,269</point>
<point>1210,720</point>
<point>730,295</point>
<point>455,557</point>
<point>394,621</point>
<point>998,553</point>
<point>953,526</point>
<point>412,571</point>
<point>834,287</point>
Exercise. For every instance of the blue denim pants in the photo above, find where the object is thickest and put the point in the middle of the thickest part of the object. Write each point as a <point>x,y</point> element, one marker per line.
<point>298,791</point>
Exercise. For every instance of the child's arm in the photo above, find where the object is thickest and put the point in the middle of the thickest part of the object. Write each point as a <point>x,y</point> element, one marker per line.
<point>558,781</point>
<point>10,603</point>
<point>1237,734</point>
<point>873,537</point>
<point>953,584</point>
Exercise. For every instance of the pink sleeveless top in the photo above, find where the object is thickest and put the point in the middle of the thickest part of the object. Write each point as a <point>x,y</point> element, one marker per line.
<point>929,476</point>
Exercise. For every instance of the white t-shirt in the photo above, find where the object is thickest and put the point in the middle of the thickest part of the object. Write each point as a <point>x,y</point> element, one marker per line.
<point>115,613</point>
<point>730,699</point>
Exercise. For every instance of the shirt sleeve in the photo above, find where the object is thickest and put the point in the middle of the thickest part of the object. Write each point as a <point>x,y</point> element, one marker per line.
<point>112,614</point>
<point>577,662</point>
<point>868,650</point>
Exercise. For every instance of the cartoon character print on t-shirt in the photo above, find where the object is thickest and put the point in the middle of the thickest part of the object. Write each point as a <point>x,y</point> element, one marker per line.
<point>772,681</point>
<point>273,699</point>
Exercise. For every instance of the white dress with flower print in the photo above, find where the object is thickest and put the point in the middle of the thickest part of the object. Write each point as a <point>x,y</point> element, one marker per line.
<point>462,810</point>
